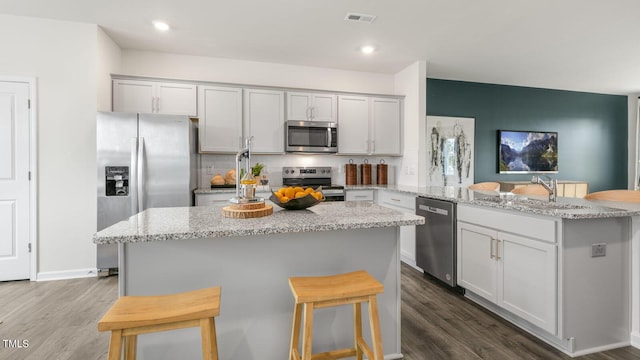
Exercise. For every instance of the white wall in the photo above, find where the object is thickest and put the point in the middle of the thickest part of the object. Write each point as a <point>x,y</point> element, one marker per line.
<point>154,64</point>
<point>632,155</point>
<point>62,56</point>
<point>412,82</point>
<point>109,61</point>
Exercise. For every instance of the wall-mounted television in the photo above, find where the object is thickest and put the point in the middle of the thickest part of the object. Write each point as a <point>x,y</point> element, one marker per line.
<point>521,152</point>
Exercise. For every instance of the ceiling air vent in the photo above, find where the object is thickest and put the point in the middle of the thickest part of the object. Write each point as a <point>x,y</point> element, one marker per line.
<point>360,17</point>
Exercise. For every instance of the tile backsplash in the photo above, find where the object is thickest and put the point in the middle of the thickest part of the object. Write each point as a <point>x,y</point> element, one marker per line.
<point>219,164</point>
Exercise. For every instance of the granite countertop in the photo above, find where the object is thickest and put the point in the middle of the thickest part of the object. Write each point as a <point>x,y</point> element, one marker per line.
<point>178,223</point>
<point>564,207</point>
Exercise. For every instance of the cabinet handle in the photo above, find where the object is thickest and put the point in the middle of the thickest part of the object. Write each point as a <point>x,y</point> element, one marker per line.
<point>492,255</point>
<point>498,249</point>
<point>312,114</point>
<point>398,200</point>
<point>307,113</point>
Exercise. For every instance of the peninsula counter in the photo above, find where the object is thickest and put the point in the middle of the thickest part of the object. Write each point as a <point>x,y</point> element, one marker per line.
<point>169,250</point>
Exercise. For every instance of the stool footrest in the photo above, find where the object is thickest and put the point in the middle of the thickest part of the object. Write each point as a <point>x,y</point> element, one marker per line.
<point>334,354</point>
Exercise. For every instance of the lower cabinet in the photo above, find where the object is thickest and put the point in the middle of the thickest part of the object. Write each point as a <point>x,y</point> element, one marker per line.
<point>358,195</point>
<point>516,272</point>
<point>405,203</point>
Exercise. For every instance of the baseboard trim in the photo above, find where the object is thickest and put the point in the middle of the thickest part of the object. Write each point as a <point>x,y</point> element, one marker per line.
<point>67,274</point>
<point>635,339</point>
<point>409,262</point>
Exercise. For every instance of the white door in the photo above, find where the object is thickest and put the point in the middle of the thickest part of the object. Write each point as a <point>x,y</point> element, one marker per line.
<point>220,119</point>
<point>298,106</point>
<point>264,120</point>
<point>385,129</point>
<point>14,181</point>
<point>528,279</point>
<point>176,99</point>
<point>134,96</point>
<point>353,133</point>
<point>477,260</point>
<point>324,107</point>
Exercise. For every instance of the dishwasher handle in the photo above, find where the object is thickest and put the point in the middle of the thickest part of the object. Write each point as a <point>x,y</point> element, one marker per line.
<point>433,210</point>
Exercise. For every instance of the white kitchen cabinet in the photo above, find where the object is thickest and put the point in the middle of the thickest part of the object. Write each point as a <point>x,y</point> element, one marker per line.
<point>303,106</point>
<point>476,262</point>
<point>407,204</point>
<point>353,132</point>
<point>385,126</point>
<point>359,195</point>
<point>154,97</point>
<point>220,120</point>
<point>369,125</point>
<point>517,273</point>
<point>264,120</point>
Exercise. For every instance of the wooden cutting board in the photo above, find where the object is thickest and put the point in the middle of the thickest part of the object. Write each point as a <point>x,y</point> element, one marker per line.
<point>247,211</point>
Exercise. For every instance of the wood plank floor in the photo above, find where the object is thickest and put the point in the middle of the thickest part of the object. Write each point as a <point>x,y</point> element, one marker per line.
<point>59,320</point>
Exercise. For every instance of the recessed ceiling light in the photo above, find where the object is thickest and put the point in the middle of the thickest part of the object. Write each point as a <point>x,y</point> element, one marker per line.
<point>161,25</point>
<point>367,49</point>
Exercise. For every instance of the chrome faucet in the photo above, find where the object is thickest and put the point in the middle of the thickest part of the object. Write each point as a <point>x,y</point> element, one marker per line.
<point>551,185</point>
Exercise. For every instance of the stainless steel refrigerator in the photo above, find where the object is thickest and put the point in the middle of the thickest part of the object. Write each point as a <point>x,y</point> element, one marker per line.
<point>144,161</point>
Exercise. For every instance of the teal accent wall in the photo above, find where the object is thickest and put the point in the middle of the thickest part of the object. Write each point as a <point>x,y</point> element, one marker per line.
<point>592,128</point>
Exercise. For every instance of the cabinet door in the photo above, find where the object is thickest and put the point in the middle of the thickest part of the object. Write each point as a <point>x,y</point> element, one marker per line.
<point>528,279</point>
<point>353,132</point>
<point>324,107</point>
<point>298,106</point>
<point>220,119</point>
<point>358,195</point>
<point>386,125</point>
<point>176,99</point>
<point>133,96</point>
<point>476,260</point>
<point>264,120</point>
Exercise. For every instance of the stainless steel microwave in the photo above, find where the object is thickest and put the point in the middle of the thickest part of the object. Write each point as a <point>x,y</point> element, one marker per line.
<point>311,137</point>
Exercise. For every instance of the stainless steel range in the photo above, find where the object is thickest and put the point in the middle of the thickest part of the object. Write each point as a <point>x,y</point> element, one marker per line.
<point>313,176</point>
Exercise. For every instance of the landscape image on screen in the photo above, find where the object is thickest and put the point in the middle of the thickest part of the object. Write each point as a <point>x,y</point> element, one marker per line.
<point>528,151</point>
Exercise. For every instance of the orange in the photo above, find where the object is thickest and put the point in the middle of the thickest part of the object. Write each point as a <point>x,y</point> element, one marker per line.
<point>290,192</point>
<point>300,194</point>
<point>308,190</point>
<point>284,199</point>
<point>298,189</point>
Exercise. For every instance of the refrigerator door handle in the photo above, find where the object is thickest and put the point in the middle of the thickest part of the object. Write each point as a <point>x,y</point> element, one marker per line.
<point>140,171</point>
<point>134,176</point>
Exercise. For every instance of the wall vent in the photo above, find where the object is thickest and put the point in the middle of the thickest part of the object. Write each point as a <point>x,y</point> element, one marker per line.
<point>360,17</point>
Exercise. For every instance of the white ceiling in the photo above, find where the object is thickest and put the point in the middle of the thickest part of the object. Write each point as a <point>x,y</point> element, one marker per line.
<point>584,45</point>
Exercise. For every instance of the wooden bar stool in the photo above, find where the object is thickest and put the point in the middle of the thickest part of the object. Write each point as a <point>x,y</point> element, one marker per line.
<point>325,291</point>
<point>134,315</point>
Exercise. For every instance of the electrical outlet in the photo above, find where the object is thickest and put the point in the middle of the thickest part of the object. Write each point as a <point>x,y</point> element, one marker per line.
<point>598,250</point>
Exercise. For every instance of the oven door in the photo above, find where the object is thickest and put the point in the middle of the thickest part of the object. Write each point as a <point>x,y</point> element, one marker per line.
<point>311,137</point>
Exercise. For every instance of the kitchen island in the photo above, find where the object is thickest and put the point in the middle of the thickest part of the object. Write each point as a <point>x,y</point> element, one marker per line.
<point>169,250</point>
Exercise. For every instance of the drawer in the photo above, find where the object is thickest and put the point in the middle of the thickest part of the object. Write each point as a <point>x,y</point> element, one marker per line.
<point>358,195</point>
<point>526,225</point>
<point>398,199</point>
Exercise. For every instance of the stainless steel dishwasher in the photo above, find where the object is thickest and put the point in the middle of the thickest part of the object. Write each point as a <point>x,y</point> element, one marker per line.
<point>436,239</point>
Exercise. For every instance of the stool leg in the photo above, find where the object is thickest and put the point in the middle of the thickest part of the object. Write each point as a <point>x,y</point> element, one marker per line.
<point>115,345</point>
<point>295,330</point>
<point>130,345</point>
<point>308,331</point>
<point>374,322</point>
<point>209,342</point>
<point>357,329</point>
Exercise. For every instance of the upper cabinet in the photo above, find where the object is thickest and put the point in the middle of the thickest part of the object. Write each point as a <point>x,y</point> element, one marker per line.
<point>264,120</point>
<point>305,106</point>
<point>369,125</point>
<point>220,120</point>
<point>225,124</point>
<point>154,97</point>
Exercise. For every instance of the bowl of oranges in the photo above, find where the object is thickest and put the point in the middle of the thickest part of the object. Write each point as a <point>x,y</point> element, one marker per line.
<point>296,197</point>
